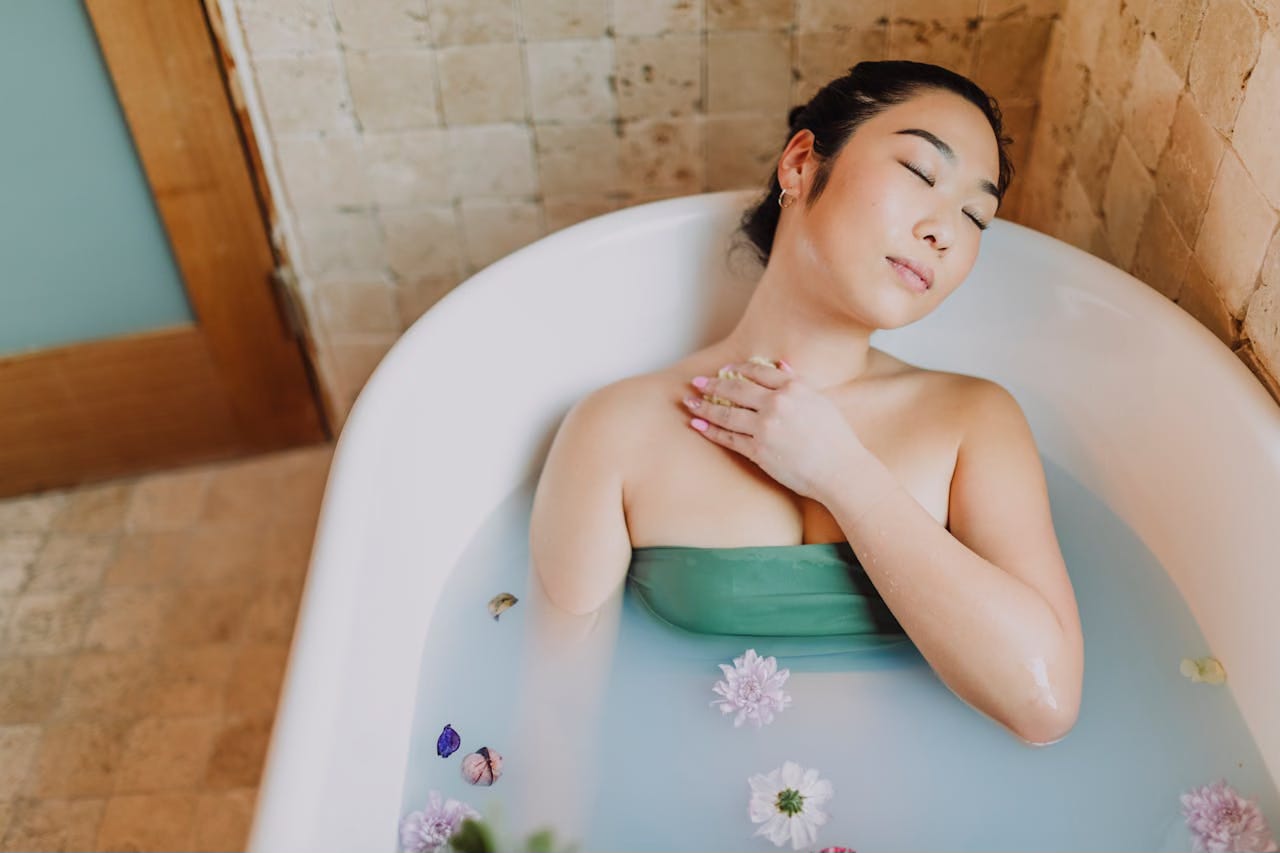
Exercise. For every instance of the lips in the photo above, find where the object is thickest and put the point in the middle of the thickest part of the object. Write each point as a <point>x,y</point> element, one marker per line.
<point>919,269</point>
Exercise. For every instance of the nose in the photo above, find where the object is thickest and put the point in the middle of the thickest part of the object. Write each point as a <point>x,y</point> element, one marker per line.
<point>937,231</point>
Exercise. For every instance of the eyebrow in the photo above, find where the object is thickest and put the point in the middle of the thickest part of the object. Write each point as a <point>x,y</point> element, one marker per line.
<point>946,151</point>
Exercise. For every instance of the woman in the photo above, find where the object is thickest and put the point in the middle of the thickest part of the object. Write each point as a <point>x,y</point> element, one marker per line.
<point>926,483</point>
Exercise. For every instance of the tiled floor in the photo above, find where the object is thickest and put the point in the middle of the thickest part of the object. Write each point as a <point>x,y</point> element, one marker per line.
<point>144,629</point>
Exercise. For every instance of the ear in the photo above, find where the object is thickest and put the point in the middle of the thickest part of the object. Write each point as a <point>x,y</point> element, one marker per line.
<point>796,158</point>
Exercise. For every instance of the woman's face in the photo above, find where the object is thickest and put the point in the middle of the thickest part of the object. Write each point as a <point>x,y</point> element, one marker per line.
<point>875,206</point>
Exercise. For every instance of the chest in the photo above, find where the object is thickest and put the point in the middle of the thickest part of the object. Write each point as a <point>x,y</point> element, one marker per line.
<point>680,488</point>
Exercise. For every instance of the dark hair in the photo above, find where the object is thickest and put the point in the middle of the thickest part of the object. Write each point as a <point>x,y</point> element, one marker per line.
<point>840,107</point>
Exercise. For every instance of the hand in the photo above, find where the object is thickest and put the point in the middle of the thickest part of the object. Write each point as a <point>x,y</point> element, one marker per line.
<point>795,434</point>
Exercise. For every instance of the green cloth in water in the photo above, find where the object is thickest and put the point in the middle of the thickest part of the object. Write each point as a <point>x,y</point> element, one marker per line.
<point>817,589</point>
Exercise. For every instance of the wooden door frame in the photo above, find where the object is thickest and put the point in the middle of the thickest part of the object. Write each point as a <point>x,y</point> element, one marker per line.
<point>241,380</point>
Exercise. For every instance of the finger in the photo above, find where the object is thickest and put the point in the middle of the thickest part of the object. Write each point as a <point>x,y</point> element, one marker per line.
<point>733,418</point>
<point>741,392</point>
<point>767,376</point>
<point>723,437</point>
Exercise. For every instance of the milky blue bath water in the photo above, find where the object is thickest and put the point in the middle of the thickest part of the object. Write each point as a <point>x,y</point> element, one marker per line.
<point>913,767</point>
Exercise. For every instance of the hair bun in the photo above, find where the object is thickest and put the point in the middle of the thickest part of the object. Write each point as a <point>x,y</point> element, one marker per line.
<point>794,115</point>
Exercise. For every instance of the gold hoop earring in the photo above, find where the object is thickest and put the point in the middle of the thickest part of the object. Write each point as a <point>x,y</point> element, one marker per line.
<point>783,201</point>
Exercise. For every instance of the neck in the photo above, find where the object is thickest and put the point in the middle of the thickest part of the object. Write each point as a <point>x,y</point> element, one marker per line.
<point>820,345</point>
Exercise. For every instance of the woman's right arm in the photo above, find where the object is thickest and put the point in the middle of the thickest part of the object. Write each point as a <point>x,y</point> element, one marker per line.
<point>578,539</point>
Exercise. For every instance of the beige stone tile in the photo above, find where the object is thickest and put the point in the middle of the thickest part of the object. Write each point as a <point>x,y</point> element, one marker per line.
<point>925,9</point>
<point>102,685</point>
<point>1042,190</point>
<point>1262,318</point>
<point>180,682</point>
<point>31,513</point>
<point>569,80</point>
<point>835,16</point>
<point>394,89</point>
<point>95,509</point>
<point>1117,56</point>
<point>128,617</point>
<point>169,501</point>
<point>659,76</point>
<point>564,211</point>
<point>748,72</point>
<point>47,623</point>
<point>1148,110</point>
<point>1187,167</point>
<point>1083,24</point>
<point>239,753</point>
<point>18,553</point>
<point>30,688</point>
<point>1095,150</point>
<point>748,14</point>
<point>563,19</point>
<point>37,824</point>
<point>662,156</point>
<point>78,758</point>
<point>207,613</point>
<point>482,83</point>
<point>1173,25</point>
<point>414,298</point>
<point>19,746</point>
<point>1023,8</point>
<point>223,820</point>
<point>655,17</point>
<point>949,42</point>
<point>340,244</point>
<point>825,56</point>
<point>356,357</point>
<point>1162,255</point>
<point>287,26</point>
<point>304,94</point>
<point>240,493</point>
<point>474,150</point>
<point>1258,125</point>
<point>322,172</point>
<point>303,477</point>
<point>1269,382</point>
<point>1200,298</point>
<point>230,551</point>
<point>148,822</point>
<point>1078,221</point>
<point>357,306</point>
<point>423,241</point>
<point>6,817</point>
<point>256,678</point>
<point>147,559</point>
<point>1019,121</point>
<point>372,24</point>
<point>494,229</point>
<point>472,21</point>
<point>577,159</point>
<point>1238,224</point>
<point>274,611</point>
<point>742,151</point>
<point>164,754</point>
<point>1009,57</point>
<point>70,562</point>
<point>1130,189</point>
<point>1225,51</point>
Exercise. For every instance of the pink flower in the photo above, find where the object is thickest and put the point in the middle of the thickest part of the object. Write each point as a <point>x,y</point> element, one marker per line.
<point>753,688</point>
<point>1221,821</point>
<point>429,830</point>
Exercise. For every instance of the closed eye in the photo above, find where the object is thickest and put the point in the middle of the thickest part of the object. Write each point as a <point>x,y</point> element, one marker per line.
<point>982,226</point>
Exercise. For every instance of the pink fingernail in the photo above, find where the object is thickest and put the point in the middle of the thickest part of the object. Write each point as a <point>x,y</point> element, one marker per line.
<point>700,381</point>
<point>699,424</point>
<point>783,365</point>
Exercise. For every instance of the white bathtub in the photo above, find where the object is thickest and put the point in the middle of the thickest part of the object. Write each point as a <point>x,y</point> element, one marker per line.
<point>1139,402</point>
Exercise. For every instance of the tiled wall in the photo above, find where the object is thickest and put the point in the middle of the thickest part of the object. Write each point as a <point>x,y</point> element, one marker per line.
<point>409,143</point>
<point>1155,148</point>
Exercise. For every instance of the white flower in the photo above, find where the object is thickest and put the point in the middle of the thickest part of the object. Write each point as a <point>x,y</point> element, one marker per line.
<point>753,688</point>
<point>787,802</point>
<point>429,830</point>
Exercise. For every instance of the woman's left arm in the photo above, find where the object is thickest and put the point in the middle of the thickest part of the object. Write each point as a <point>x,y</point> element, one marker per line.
<point>987,602</point>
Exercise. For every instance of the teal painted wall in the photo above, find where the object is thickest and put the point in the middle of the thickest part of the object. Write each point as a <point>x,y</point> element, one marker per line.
<point>83,254</point>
